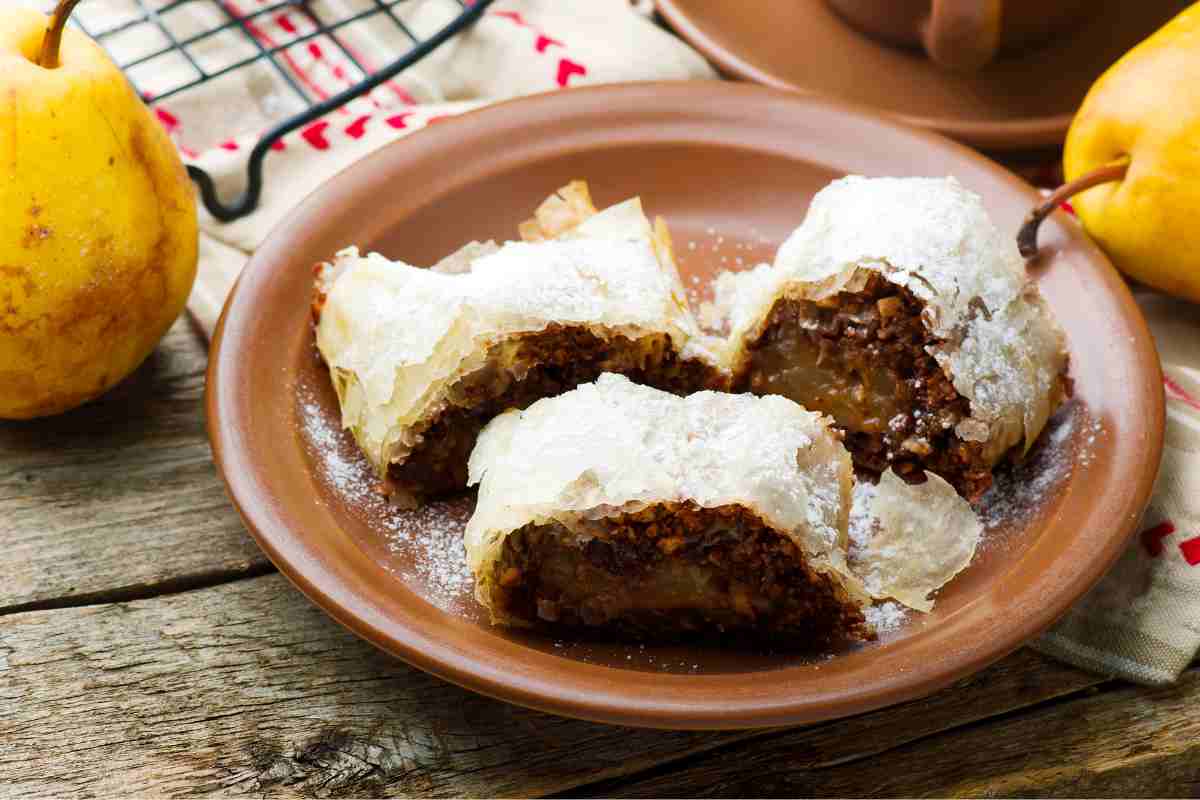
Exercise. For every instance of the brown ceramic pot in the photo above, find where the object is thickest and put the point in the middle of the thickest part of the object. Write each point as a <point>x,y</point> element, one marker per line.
<point>963,34</point>
<point>1020,101</point>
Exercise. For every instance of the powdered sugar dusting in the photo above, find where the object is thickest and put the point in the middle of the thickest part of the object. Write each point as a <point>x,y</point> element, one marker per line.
<point>862,522</point>
<point>1020,490</point>
<point>717,251</point>
<point>1091,430</point>
<point>435,533</point>
<point>887,616</point>
<point>429,537</point>
<point>349,475</point>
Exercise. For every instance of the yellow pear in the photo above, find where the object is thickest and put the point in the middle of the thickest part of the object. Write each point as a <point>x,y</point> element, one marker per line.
<point>98,232</point>
<point>1142,118</point>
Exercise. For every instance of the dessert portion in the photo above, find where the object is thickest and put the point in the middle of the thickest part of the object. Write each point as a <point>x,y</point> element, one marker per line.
<point>621,509</point>
<point>422,359</point>
<point>900,311</point>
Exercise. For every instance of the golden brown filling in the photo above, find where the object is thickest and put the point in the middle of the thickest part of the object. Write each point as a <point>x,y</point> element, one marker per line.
<point>673,570</point>
<point>524,369</point>
<point>862,357</point>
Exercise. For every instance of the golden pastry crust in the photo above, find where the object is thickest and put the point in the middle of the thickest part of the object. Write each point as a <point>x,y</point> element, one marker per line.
<point>561,212</point>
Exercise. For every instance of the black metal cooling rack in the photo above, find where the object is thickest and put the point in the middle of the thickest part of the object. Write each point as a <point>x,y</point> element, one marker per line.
<point>323,24</point>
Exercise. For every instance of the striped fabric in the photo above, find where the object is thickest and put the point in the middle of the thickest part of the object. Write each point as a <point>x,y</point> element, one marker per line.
<point>1142,621</point>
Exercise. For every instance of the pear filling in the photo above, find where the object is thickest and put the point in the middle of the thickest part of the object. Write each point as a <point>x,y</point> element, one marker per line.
<point>863,359</point>
<point>672,571</point>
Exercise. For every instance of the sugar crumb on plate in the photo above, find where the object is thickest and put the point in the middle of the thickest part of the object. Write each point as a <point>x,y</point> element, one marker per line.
<point>431,535</point>
<point>886,616</point>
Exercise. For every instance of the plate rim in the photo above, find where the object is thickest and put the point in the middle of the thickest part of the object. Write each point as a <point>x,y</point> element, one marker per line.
<point>261,516</point>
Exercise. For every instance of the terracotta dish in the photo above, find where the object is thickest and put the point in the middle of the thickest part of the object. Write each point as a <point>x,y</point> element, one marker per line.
<point>732,168</point>
<point>1021,100</point>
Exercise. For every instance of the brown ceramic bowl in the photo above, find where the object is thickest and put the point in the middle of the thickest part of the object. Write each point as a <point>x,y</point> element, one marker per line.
<point>1021,100</point>
<point>732,168</point>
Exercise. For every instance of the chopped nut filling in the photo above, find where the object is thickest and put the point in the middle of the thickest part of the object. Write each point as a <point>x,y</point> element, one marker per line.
<point>524,369</point>
<point>671,571</point>
<point>862,358</point>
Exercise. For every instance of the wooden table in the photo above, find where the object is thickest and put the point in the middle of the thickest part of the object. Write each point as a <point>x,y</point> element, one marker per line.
<point>148,647</point>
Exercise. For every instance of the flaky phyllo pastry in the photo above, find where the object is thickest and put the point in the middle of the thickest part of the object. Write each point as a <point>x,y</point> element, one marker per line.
<point>625,509</point>
<point>907,541</point>
<point>421,359</point>
<point>898,309</point>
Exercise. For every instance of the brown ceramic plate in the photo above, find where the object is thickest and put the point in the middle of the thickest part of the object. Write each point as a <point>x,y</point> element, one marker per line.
<point>1021,101</point>
<point>732,168</point>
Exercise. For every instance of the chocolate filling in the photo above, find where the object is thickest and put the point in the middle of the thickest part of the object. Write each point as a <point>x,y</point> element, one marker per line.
<point>522,370</point>
<point>862,358</point>
<point>673,571</point>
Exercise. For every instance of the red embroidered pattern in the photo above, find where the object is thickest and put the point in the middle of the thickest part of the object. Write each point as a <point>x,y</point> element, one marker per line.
<point>544,41</point>
<point>1191,551</point>
<point>1152,538</point>
<point>339,69</point>
<point>1177,392</point>
<point>171,125</point>
<point>515,16</point>
<point>400,120</point>
<point>315,135</point>
<point>266,39</point>
<point>356,129</point>
<point>567,68</point>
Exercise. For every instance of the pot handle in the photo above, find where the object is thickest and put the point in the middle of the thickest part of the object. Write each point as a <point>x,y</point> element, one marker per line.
<point>962,35</point>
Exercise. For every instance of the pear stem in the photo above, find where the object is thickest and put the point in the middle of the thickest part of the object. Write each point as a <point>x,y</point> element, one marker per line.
<point>48,58</point>
<point>1027,236</point>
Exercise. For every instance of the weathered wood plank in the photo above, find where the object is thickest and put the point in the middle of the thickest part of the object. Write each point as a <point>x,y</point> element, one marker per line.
<point>1121,741</point>
<point>245,688</point>
<point>120,495</point>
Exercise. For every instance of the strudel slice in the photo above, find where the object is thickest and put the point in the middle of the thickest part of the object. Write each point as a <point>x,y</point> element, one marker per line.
<point>899,310</point>
<point>627,510</point>
<point>421,359</point>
